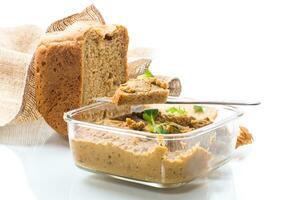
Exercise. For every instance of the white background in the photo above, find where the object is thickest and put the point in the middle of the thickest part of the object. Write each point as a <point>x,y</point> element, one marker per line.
<point>239,50</point>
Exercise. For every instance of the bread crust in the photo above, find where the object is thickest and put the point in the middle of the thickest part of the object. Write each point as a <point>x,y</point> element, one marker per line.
<point>126,41</point>
<point>58,85</point>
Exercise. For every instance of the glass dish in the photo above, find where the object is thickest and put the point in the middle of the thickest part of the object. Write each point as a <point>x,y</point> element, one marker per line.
<point>158,160</point>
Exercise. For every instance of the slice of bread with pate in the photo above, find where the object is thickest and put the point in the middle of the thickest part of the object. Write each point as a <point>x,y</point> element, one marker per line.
<point>143,90</point>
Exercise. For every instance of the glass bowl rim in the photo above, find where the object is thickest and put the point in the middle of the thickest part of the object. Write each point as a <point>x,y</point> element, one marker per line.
<point>68,117</point>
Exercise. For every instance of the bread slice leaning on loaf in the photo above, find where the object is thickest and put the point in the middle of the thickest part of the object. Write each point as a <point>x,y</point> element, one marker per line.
<point>141,91</point>
<point>74,66</point>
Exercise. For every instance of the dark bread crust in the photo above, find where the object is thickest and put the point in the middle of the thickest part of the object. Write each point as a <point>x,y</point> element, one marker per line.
<point>58,82</point>
<point>126,41</point>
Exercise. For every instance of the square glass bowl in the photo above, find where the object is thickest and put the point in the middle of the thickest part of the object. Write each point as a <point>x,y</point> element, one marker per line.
<point>158,160</point>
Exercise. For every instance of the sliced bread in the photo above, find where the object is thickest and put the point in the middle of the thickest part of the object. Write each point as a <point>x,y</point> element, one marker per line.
<point>74,66</point>
<point>141,91</point>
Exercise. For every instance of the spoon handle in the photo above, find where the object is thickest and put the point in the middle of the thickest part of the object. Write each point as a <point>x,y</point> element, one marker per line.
<point>188,101</point>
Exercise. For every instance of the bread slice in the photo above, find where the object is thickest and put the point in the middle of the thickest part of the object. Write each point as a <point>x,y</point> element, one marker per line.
<point>74,66</point>
<point>141,91</point>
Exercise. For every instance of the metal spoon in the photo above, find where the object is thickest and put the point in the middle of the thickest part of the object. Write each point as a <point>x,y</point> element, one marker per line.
<point>176,100</point>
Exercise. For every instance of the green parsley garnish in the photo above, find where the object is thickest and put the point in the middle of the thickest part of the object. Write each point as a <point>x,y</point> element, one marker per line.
<point>150,115</point>
<point>160,129</point>
<point>148,74</point>
<point>198,109</point>
<point>176,111</point>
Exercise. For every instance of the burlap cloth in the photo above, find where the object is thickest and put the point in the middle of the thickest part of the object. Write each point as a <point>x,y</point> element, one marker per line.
<point>20,122</point>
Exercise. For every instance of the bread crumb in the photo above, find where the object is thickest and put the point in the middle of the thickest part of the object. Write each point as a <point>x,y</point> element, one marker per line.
<point>135,125</point>
<point>245,137</point>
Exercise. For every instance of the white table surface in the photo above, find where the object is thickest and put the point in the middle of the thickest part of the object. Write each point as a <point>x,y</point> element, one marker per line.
<point>220,50</point>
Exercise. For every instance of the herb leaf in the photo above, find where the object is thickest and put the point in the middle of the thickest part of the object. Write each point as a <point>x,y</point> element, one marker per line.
<point>150,128</point>
<point>148,74</point>
<point>149,115</point>
<point>160,129</point>
<point>198,108</point>
<point>177,111</point>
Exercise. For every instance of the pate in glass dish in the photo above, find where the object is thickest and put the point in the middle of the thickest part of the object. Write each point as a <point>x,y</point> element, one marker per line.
<point>160,145</point>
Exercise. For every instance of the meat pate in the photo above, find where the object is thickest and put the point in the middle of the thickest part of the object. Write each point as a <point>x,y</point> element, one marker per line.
<point>152,159</point>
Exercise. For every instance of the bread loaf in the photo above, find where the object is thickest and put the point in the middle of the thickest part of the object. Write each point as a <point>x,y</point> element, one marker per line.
<point>74,66</point>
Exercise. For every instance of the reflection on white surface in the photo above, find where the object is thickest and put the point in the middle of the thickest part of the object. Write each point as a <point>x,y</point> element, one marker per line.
<point>96,185</point>
<point>51,174</point>
<point>13,183</point>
